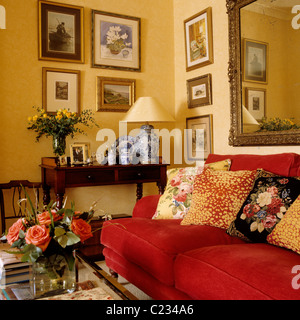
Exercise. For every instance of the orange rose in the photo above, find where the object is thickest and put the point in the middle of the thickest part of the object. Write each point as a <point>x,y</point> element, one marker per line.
<point>82,229</point>
<point>44,217</point>
<point>13,232</point>
<point>39,236</point>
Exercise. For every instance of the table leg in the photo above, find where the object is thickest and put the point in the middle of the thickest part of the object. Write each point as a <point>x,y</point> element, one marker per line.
<point>139,191</point>
<point>46,195</point>
<point>59,200</point>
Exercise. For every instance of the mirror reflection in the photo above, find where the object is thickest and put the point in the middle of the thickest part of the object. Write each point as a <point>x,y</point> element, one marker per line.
<point>270,63</point>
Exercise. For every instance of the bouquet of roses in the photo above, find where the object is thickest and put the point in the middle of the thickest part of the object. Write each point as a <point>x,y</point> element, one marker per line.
<point>51,233</point>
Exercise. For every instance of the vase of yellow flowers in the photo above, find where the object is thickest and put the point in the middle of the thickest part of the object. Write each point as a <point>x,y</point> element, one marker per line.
<point>59,125</point>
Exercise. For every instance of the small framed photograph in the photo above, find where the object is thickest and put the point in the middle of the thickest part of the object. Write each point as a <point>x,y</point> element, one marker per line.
<point>61,89</point>
<point>199,91</point>
<point>255,61</point>
<point>116,41</point>
<point>60,32</point>
<point>199,136</point>
<point>115,94</point>
<point>255,102</point>
<point>79,153</point>
<point>199,40</point>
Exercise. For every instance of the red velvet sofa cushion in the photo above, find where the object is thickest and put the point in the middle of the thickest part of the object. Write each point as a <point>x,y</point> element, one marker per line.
<point>154,244</point>
<point>287,164</point>
<point>146,207</point>
<point>142,279</point>
<point>249,271</point>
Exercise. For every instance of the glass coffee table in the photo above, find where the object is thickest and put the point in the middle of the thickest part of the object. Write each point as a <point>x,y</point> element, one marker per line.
<point>93,283</point>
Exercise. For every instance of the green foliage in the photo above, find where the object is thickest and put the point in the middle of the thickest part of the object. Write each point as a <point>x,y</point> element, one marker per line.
<point>277,124</point>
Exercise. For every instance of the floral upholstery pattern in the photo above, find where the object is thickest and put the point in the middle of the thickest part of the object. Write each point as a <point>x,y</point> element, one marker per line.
<point>264,207</point>
<point>176,200</point>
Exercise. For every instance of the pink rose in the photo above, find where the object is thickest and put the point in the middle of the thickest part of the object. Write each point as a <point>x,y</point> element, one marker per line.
<point>39,236</point>
<point>273,190</point>
<point>176,181</point>
<point>82,229</point>
<point>44,217</point>
<point>270,221</point>
<point>13,231</point>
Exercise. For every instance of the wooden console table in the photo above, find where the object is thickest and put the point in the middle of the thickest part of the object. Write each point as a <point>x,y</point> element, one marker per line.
<point>62,177</point>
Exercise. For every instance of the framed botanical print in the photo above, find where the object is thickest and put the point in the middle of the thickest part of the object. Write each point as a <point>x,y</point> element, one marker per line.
<point>60,32</point>
<point>199,91</point>
<point>255,102</point>
<point>115,94</point>
<point>116,41</point>
<point>255,61</point>
<point>61,89</point>
<point>198,40</point>
<point>199,135</point>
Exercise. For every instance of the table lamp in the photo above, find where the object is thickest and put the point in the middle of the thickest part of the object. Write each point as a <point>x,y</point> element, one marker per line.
<point>146,110</point>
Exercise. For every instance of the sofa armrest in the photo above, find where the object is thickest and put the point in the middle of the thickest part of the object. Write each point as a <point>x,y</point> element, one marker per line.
<point>146,207</point>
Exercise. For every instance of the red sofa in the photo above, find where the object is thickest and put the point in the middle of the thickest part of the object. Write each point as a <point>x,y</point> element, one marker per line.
<point>169,261</point>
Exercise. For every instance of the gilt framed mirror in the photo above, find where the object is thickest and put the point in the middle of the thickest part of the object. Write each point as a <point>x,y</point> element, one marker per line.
<point>264,50</point>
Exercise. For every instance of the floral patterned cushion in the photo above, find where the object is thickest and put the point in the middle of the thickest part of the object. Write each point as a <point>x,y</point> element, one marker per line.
<point>218,196</point>
<point>287,232</point>
<point>265,206</point>
<point>176,200</point>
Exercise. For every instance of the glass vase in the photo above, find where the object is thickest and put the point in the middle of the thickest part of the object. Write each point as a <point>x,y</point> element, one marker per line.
<point>52,276</point>
<point>59,145</point>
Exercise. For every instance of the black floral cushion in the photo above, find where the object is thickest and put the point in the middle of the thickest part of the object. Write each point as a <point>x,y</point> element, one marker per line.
<point>264,207</point>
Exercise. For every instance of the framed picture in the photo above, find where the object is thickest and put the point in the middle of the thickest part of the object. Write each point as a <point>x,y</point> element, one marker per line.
<point>198,40</point>
<point>199,137</point>
<point>79,153</point>
<point>255,102</point>
<point>116,41</point>
<point>61,89</point>
<point>255,61</point>
<point>199,91</point>
<point>60,32</point>
<point>114,94</point>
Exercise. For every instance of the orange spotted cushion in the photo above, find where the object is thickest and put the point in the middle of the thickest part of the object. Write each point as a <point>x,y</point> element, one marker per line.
<point>218,196</point>
<point>287,232</point>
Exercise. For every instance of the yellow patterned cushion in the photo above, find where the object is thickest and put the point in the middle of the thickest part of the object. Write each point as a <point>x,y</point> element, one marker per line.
<point>176,200</point>
<point>218,197</point>
<point>287,232</point>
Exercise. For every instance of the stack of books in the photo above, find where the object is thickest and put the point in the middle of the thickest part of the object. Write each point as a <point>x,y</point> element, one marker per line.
<point>12,270</point>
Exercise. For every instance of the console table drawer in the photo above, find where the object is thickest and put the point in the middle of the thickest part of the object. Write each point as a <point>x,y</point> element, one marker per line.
<point>137,174</point>
<point>86,177</point>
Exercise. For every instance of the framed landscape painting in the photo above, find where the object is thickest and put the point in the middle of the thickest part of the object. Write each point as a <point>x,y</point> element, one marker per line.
<point>198,40</point>
<point>116,41</point>
<point>60,32</point>
<point>199,91</point>
<point>115,94</point>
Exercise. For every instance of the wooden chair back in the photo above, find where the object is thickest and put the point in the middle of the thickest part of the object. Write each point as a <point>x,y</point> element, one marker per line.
<point>15,193</point>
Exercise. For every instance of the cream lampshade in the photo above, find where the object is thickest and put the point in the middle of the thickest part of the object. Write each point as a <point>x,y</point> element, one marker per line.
<point>145,110</point>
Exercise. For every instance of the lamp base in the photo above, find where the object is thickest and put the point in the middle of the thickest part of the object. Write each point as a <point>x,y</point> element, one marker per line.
<point>147,145</point>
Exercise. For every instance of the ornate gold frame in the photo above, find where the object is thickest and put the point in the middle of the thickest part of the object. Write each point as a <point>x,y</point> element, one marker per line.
<point>236,135</point>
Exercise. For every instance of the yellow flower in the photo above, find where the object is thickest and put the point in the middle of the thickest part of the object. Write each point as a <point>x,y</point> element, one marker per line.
<point>45,115</point>
<point>35,118</point>
<point>29,119</point>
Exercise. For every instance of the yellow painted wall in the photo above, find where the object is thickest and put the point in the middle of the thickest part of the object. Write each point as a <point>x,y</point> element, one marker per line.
<point>220,109</point>
<point>21,88</point>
